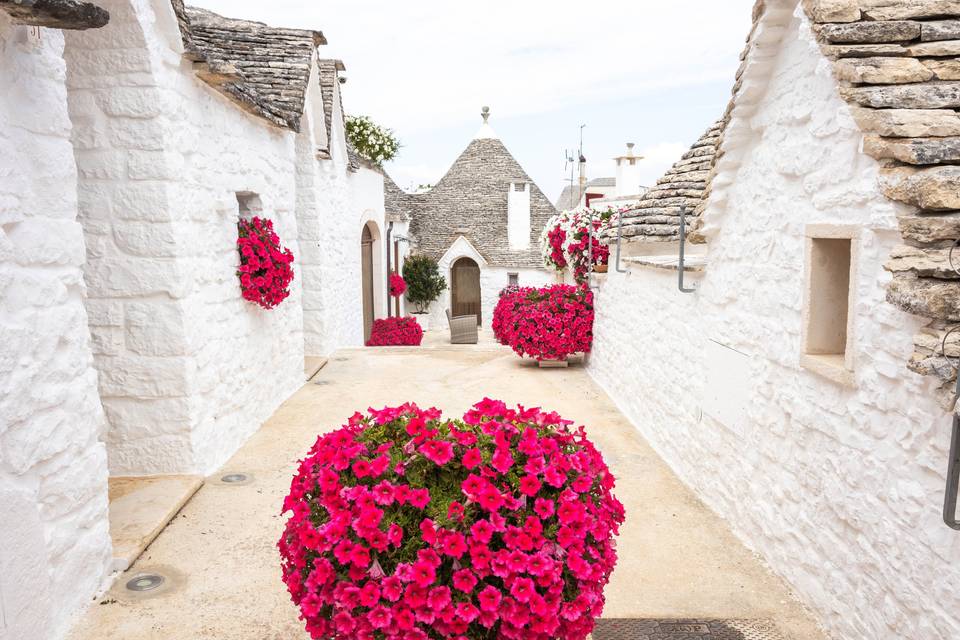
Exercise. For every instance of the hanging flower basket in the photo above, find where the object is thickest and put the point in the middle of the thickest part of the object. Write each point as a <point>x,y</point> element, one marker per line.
<point>565,242</point>
<point>549,323</point>
<point>397,285</point>
<point>407,526</point>
<point>266,266</point>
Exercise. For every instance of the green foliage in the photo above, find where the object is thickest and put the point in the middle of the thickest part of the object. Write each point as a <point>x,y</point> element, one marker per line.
<point>424,282</point>
<point>373,142</point>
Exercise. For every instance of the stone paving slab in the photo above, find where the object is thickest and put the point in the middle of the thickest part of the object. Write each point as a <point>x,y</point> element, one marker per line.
<point>677,559</point>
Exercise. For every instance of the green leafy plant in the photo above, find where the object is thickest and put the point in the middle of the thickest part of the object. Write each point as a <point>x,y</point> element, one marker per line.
<point>424,282</point>
<point>373,142</point>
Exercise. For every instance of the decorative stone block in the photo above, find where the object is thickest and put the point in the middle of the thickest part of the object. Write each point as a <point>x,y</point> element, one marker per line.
<point>832,10</point>
<point>914,150</point>
<point>938,95</point>
<point>906,9</point>
<point>882,70</point>
<point>909,123</point>
<point>871,32</point>
<point>937,188</point>
<point>940,30</point>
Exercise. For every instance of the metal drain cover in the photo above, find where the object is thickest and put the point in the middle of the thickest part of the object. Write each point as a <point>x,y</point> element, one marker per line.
<point>145,582</point>
<point>634,629</point>
<point>234,478</point>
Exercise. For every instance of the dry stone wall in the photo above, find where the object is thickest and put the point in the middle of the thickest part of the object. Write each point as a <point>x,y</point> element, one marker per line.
<point>898,61</point>
<point>838,488</point>
<point>54,543</point>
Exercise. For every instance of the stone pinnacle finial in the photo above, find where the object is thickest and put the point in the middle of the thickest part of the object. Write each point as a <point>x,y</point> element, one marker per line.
<point>485,112</point>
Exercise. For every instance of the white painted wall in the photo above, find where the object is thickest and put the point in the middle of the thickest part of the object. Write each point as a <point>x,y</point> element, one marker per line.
<point>839,489</point>
<point>188,369</point>
<point>518,216</point>
<point>54,541</point>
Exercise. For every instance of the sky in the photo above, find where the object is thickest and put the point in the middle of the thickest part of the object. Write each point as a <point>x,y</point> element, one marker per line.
<point>653,72</point>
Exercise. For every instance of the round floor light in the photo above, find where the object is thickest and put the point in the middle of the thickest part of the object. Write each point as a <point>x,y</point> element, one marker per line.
<point>234,478</point>
<point>145,582</point>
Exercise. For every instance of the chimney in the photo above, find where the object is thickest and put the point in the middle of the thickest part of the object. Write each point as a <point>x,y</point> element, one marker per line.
<point>518,216</point>
<point>628,173</point>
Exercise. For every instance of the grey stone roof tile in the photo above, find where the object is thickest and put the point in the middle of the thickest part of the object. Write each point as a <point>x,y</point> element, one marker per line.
<point>56,14</point>
<point>263,69</point>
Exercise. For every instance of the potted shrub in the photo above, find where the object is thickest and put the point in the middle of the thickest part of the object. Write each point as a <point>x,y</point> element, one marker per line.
<point>424,284</point>
<point>407,526</point>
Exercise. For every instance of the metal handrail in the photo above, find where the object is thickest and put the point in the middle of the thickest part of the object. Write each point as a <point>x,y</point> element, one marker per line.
<point>683,242</point>
<point>953,465</point>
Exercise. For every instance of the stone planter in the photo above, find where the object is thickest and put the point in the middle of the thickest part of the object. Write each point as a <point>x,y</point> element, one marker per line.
<point>423,319</point>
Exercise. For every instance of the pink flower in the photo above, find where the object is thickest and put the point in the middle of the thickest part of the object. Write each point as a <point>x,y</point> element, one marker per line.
<point>529,485</point>
<point>423,573</point>
<point>437,451</point>
<point>522,589</point>
<point>472,458</point>
<point>489,598</point>
<point>454,545</point>
<point>482,531</point>
<point>464,580</point>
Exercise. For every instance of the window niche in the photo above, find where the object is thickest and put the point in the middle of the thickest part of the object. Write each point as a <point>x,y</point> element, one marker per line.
<point>249,204</point>
<point>829,297</point>
<point>513,279</point>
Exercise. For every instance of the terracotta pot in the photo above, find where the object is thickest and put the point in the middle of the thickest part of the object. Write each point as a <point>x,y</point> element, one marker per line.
<point>600,268</point>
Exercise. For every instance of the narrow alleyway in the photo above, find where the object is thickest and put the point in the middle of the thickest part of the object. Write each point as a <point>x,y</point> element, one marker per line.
<point>677,560</point>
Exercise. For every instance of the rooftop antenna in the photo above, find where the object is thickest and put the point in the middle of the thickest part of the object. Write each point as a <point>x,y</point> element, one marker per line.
<point>571,164</point>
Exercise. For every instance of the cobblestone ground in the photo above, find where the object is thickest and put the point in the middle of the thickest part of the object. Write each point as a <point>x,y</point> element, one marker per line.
<point>678,560</point>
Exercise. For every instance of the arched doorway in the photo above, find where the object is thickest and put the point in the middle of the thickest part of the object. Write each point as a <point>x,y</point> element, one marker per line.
<point>366,271</point>
<point>465,288</point>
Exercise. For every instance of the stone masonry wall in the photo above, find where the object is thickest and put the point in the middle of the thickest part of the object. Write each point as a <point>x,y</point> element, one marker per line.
<point>838,488</point>
<point>333,204</point>
<point>188,369</point>
<point>54,540</point>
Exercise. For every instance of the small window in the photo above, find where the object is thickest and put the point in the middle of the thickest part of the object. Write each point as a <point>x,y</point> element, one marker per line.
<point>513,279</point>
<point>250,204</point>
<point>519,186</point>
<point>827,316</point>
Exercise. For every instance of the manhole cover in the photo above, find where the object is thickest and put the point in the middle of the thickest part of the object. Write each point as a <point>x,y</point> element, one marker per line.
<point>627,629</point>
<point>145,582</point>
<point>235,478</point>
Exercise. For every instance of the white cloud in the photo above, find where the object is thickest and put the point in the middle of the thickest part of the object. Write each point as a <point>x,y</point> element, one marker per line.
<point>430,63</point>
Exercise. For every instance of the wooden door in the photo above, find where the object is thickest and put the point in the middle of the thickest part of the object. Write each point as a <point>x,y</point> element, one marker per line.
<point>366,269</point>
<point>465,289</point>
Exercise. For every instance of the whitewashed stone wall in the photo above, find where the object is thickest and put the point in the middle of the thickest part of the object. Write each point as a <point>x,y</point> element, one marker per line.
<point>333,205</point>
<point>839,489</point>
<point>54,540</point>
<point>188,369</point>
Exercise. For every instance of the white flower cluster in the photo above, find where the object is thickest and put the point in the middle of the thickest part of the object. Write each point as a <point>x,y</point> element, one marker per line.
<point>376,144</point>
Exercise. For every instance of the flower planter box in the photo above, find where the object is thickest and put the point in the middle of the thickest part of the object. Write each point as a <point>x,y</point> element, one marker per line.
<point>553,364</point>
<point>423,319</point>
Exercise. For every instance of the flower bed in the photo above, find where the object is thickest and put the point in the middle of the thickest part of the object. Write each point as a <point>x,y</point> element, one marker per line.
<point>266,266</point>
<point>550,323</point>
<point>405,526</point>
<point>397,285</point>
<point>565,241</point>
<point>395,332</point>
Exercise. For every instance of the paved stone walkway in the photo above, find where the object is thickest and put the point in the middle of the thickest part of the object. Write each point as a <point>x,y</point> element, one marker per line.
<point>678,560</point>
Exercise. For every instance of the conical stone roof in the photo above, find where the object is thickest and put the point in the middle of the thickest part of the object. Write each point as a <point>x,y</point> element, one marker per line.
<point>471,200</point>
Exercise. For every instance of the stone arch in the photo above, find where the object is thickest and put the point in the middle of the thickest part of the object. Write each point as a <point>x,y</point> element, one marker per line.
<point>465,297</point>
<point>371,269</point>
